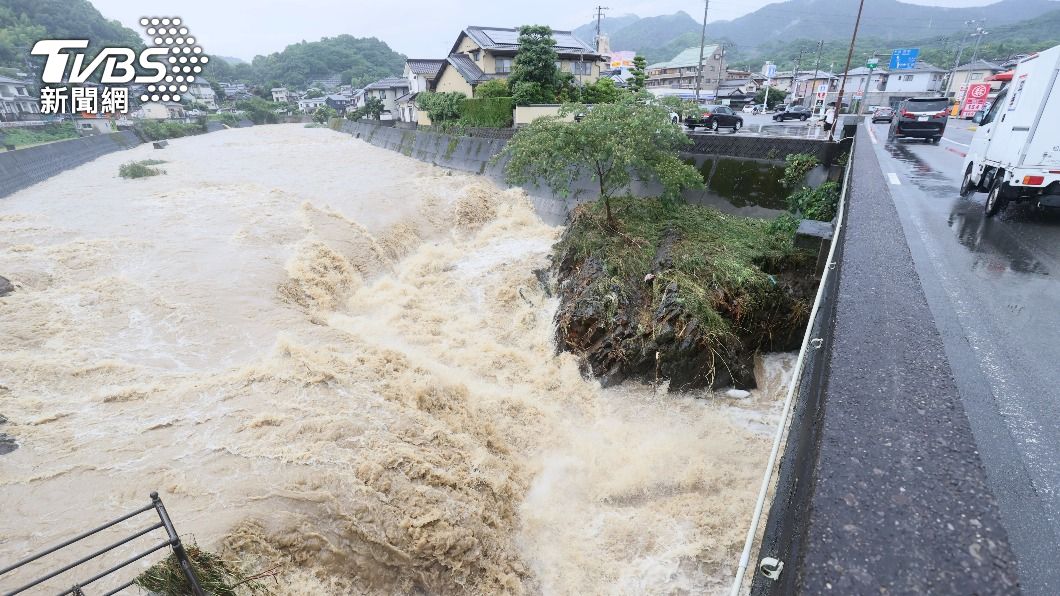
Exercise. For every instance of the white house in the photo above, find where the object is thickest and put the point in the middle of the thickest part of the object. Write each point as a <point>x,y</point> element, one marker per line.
<point>420,74</point>
<point>388,90</point>
<point>967,74</point>
<point>923,80</point>
<point>203,93</point>
<point>308,105</point>
<point>858,81</point>
<point>16,101</point>
<point>280,95</point>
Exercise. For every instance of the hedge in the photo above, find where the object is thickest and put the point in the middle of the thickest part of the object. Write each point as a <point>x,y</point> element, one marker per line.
<point>492,112</point>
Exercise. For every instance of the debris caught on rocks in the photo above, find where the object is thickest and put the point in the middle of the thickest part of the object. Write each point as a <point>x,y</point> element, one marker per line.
<point>5,286</point>
<point>737,394</point>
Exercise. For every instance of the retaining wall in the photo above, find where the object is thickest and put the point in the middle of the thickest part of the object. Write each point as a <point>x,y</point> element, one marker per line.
<point>23,168</point>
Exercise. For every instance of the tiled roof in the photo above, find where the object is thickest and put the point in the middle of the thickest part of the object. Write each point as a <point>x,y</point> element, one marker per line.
<point>920,67</point>
<point>428,67</point>
<point>10,81</point>
<point>863,70</point>
<point>389,83</point>
<point>981,65</point>
<point>689,57</point>
<point>468,69</point>
<point>505,38</point>
<point>407,97</point>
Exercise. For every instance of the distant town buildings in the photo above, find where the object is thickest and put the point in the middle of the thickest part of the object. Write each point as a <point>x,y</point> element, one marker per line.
<point>280,95</point>
<point>681,71</point>
<point>16,101</point>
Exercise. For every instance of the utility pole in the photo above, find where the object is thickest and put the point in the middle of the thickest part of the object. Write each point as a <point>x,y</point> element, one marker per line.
<point>979,33</point>
<point>795,76</point>
<point>873,63</point>
<point>850,54</point>
<point>702,44</point>
<point>721,71</point>
<point>960,50</point>
<point>816,71</point>
<point>599,16</point>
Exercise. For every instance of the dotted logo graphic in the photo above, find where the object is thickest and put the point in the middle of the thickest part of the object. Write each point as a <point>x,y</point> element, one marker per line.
<point>185,60</point>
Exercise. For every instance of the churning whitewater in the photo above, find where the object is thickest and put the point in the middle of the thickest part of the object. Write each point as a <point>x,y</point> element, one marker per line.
<point>335,359</point>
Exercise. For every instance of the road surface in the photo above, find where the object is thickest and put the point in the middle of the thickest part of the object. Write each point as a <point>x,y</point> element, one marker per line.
<point>993,286</point>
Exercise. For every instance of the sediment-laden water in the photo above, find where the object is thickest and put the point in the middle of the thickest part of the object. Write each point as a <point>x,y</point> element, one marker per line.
<point>335,359</point>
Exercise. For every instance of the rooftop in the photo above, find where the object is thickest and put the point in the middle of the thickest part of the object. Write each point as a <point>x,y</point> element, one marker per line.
<point>425,66</point>
<point>468,69</point>
<point>981,64</point>
<point>505,38</point>
<point>689,57</point>
<point>389,83</point>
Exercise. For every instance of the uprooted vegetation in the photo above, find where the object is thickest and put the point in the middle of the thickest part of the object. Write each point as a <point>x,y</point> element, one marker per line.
<point>215,575</point>
<point>679,292</point>
<point>141,169</point>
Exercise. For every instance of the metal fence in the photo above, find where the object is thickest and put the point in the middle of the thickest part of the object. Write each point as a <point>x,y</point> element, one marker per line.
<point>76,588</point>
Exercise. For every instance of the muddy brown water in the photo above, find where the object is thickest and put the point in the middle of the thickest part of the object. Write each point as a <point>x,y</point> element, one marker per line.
<point>332,358</point>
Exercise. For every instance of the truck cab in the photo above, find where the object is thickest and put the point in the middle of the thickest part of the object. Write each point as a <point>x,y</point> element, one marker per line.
<point>1015,153</point>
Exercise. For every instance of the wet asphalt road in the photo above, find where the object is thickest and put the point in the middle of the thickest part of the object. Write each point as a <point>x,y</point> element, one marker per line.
<point>993,287</point>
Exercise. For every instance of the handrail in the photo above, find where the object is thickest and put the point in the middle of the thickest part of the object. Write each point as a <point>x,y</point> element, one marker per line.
<point>172,541</point>
<point>782,426</point>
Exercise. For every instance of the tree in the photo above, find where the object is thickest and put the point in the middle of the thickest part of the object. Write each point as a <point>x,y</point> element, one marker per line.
<point>534,74</point>
<point>313,93</point>
<point>441,107</point>
<point>611,142</point>
<point>775,96</point>
<point>639,73</point>
<point>600,91</point>
<point>683,107</point>
<point>373,107</point>
<point>324,113</point>
<point>492,88</point>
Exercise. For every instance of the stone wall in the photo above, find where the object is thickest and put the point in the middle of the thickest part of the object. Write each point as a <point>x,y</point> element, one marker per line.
<point>25,167</point>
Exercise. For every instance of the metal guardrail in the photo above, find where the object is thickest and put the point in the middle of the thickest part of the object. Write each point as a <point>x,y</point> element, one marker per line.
<point>172,540</point>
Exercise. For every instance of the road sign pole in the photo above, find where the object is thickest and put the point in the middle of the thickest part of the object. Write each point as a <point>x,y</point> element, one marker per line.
<point>846,71</point>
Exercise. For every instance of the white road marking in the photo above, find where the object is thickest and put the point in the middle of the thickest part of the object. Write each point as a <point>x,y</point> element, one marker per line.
<point>872,133</point>
<point>894,178</point>
<point>955,142</point>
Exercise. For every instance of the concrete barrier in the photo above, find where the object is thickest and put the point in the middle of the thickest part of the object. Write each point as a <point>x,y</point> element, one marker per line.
<point>25,167</point>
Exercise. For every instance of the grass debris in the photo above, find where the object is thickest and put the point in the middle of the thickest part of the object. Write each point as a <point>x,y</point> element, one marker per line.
<point>140,169</point>
<point>217,576</point>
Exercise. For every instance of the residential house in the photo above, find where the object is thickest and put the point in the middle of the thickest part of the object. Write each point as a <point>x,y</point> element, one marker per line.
<point>924,79</point>
<point>807,88</point>
<point>483,53</point>
<point>203,93</point>
<point>93,124</point>
<point>280,95</point>
<point>234,88</point>
<point>337,102</point>
<point>967,74</point>
<point>330,83</point>
<point>308,105</point>
<point>421,75</point>
<point>161,110</point>
<point>388,90</point>
<point>16,101</point>
<point>682,70</point>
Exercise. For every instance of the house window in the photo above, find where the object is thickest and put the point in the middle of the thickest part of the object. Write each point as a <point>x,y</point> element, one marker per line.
<point>976,76</point>
<point>582,68</point>
<point>907,77</point>
<point>559,65</point>
<point>504,65</point>
<point>475,55</point>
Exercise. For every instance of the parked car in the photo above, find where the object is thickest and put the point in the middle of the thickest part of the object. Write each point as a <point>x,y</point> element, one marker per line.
<point>883,115</point>
<point>792,113</point>
<point>715,117</point>
<point>1015,152</point>
<point>752,108</point>
<point>921,117</point>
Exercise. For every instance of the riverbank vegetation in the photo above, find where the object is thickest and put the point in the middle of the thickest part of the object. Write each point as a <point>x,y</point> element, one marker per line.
<point>215,575</point>
<point>35,135</point>
<point>141,169</point>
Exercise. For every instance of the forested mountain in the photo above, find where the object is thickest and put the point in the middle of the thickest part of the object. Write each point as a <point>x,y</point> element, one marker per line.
<point>608,26</point>
<point>360,60</point>
<point>24,22</point>
<point>782,28</point>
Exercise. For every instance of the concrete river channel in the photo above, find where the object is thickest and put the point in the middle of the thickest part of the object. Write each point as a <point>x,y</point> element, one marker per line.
<point>334,359</point>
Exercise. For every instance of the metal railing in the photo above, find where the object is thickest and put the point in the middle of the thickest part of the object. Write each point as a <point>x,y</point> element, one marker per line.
<point>76,589</point>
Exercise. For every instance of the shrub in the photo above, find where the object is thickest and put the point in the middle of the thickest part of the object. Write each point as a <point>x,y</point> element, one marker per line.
<point>494,112</point>
<point>492,88</point>
<point>528,92</point>
<point>38,134</point>
<point>819,203</point>
<point>157,130</point>
<point>441,106</point>
<point>259,111</point>
<point>323,114</point>
<point>216,576</point>
<point>600,91</point>
<point>140,169</point>
<point>228,118</point>
<point>799,164</point>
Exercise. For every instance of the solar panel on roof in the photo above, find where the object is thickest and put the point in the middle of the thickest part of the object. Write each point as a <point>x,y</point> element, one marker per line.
<point>500,36</point>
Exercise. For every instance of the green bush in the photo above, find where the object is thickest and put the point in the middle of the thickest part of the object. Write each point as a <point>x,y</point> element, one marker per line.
<point>323,114</point>
<point>528,92</point>
<point>494,112</point>
<point>20,137</point>
<point>441,106</point>
<point>799,164</point>
<point>259,111</point>
<point>819,203</point>
<point>492,88</point>
<point>140,169</point>
<point>229,119</point>
<point>156,130</point>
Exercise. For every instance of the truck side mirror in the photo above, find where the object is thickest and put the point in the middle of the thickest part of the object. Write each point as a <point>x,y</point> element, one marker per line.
<point>978,117</point>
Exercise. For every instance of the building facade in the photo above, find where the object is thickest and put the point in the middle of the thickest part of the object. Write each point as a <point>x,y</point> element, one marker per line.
<point>681,71</point>
<point>388,90</point>
<point>967,74</point>
<point>17,101</point>
<point>925,79</point>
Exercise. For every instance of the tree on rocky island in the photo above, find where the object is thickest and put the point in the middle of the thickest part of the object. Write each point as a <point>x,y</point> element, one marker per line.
<point>534,74</point>
<point>611,142</point>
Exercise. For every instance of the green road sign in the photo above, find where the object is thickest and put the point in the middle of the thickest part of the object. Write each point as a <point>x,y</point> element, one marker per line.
<point>872,63</point>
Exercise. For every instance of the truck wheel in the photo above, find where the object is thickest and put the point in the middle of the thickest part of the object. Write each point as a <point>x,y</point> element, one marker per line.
<point>967,186</point>
<point>996,200</point>
<point>936,140</point>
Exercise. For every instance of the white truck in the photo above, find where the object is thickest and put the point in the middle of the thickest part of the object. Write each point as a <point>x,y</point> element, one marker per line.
<point>1015,153</point>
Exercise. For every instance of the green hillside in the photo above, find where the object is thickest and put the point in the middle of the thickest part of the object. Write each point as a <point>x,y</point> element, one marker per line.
<point>23,22</point>
<point>360,60</point>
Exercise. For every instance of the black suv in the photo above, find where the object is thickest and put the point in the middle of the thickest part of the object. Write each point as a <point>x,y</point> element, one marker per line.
<point>714,117</point>
<point>923,118</point>
<point>792,113</point>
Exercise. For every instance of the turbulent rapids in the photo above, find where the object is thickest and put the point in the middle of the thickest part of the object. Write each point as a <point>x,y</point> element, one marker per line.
<point>336,359</point>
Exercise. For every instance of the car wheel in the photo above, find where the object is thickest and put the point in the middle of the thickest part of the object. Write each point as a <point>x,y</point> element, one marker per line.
<point>995,201</point>
<point>737,126</point>
<point>714,125</point>
<point>967,186</point>
<point>674,119</point>
<point>804,118</point>
<point>935,140</point>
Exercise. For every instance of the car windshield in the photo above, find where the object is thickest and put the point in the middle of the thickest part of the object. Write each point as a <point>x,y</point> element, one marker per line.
<point>711,108</point>
<point>926,105</point>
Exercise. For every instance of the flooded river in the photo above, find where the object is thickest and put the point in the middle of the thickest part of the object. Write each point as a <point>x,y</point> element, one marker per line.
<point>332,358</point>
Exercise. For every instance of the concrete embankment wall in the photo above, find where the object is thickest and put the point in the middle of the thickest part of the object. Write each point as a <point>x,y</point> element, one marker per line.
<point>741,174</point>
<point>25,167</point>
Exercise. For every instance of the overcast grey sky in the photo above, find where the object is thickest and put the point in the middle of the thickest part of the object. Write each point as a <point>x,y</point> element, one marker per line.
<point>417,28</point>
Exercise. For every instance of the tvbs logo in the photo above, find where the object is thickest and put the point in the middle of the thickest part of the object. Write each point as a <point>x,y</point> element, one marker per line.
<point>174,53</point>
